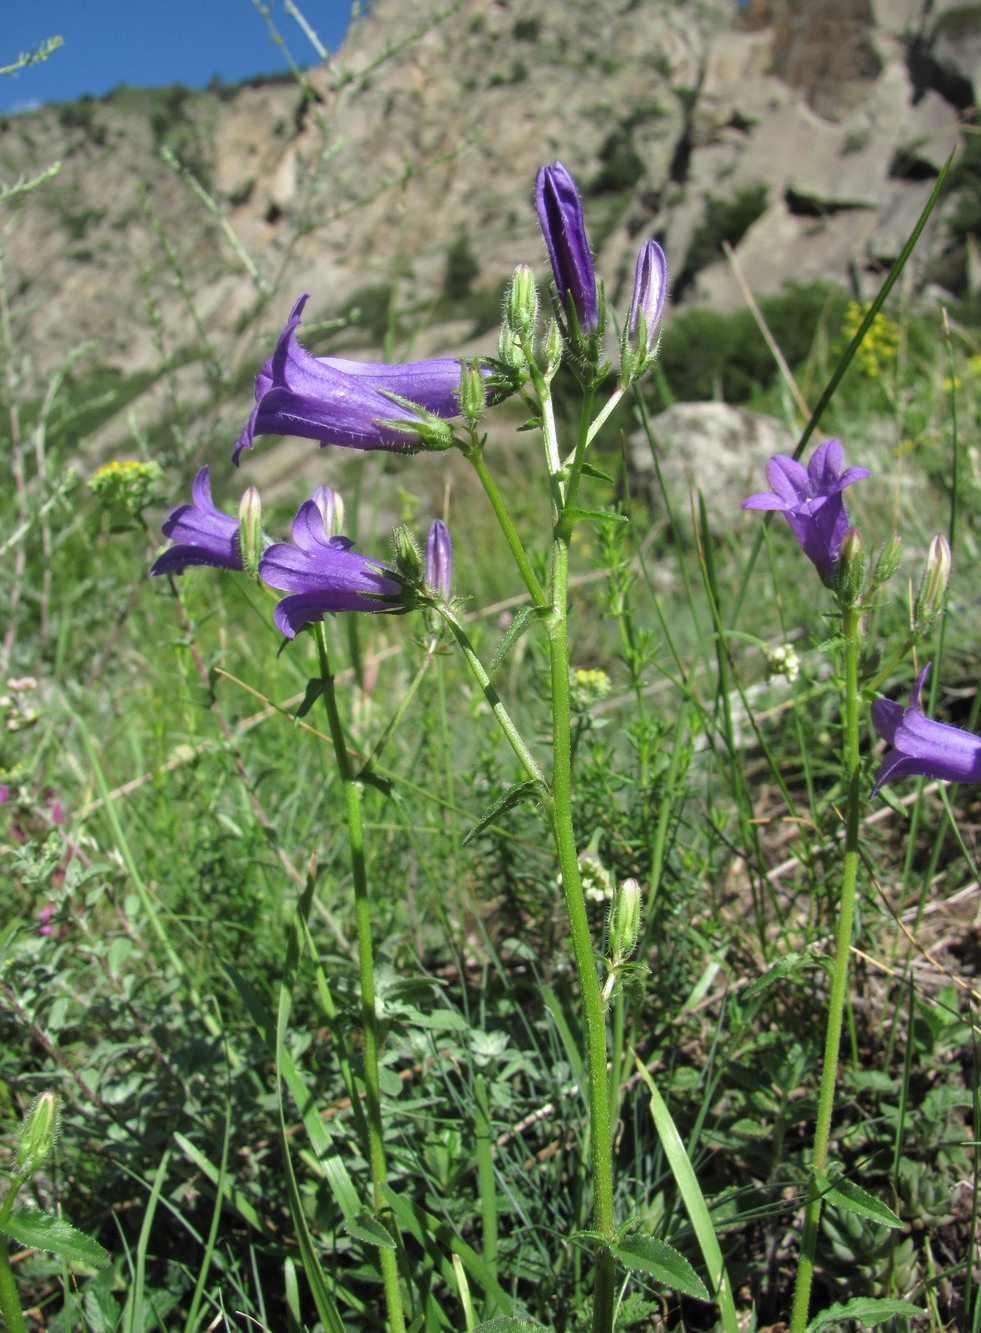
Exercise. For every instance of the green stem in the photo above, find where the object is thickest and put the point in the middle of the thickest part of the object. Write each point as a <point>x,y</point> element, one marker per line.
<point>10,1307</point>
<point>486,1184</point>
<point>13,1317</point>
<point>559,806</point>
<point>839,982</point>
<point>525,756</point>
<point>579,457</point>
<point>369,1016</point>
<point>476,456</point>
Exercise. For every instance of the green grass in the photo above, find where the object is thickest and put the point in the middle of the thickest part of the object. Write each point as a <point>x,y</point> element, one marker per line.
<point>199,886</point>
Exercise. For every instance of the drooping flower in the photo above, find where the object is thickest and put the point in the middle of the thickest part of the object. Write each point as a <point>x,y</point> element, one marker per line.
<point>922,746</point>
<point>439,559</point>
<point>204,535</point>
<point>324,574</point>
<point>650,292</point>
<point>811,500</point>
<point>560,214</point>
<point>334,401</point>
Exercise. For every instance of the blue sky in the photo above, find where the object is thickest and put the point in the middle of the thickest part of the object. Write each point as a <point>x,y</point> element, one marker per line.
<point>150,42</point>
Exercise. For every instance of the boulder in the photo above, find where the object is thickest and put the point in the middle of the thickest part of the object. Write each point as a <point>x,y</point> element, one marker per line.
<point>708,447</point>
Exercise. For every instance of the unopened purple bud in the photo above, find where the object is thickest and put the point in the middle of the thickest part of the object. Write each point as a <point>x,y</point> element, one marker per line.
<point>439,559</point>
<point>650,291</point>
<point>331,506</point>
<point>563,226</point>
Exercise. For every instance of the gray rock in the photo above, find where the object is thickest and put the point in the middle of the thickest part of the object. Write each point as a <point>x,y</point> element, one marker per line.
<point>708,447</point>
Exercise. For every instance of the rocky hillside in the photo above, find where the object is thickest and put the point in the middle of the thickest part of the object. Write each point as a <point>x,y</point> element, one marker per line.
<point>395,184</point>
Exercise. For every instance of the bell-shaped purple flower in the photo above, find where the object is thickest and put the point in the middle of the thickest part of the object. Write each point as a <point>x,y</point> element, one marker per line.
<point>204,535</point>
<point>811,500</point>
<point>922,746</point>
<point>324,574</point>
<point>650,292</point>
<point>439,559</point>
<point>560,215</point>
<point>335,401</point>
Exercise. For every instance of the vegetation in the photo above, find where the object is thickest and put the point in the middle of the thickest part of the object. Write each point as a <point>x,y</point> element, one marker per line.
<point>181,924</point>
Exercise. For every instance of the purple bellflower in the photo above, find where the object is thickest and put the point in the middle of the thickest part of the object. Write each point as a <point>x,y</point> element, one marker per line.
<point>439,559</point>
<point>204,535</point>
<point>811,500</point>
<point>559,210</point>
<point>343,402</point>
<point>922,746</point>
<point>650,291</point>
<point>324,574</point>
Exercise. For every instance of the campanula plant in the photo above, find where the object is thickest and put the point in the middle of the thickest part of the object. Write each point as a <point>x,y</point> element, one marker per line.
<point>811,499</point>
<point>431,406</point>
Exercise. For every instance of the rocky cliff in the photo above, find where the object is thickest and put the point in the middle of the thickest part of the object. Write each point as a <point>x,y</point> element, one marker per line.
<point>395,183</point>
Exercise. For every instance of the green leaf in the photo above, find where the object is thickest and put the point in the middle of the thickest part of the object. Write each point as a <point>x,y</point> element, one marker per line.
<point>868,1310</point>
<point>521,791</point>
<point>851,1198</point>
<point>504,1324</point>
<point>37,1231</point>
<point>647,1255</point>
<point>694,1201</point>
<point>369,1229</point>
<point>437,1240</point>
<point>589,471</point>
<point>596,515</point>
<point>524,618</point>
<point>314,691</point>
<point>788,966</point>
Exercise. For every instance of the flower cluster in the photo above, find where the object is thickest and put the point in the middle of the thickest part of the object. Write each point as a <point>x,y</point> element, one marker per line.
<point>580,298</point>
<point>400,408</point>
<point>319,568</point>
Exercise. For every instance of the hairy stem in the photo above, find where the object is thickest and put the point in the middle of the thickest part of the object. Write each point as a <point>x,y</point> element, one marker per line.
<point>839,982</point>
<point>369,1016</point>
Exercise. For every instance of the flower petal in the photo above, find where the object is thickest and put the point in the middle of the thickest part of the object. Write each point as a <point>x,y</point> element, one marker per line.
<point>787,478</point>
<point>763,500</point>
<point>824,466</point>
<point>886,718</point>
<point>202,533</point>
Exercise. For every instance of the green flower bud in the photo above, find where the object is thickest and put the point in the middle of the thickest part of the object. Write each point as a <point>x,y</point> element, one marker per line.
<point>522,302</point>
<point>251,544</point>
<point>850,570</point>
<point>408,559</point>
<point>553,348</point>
<point>37,1134</point>
<point>625,920</point>
<point>331,506</point>
<point>931,595</point>
<point>473,393</point>
<point>888,561</point>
